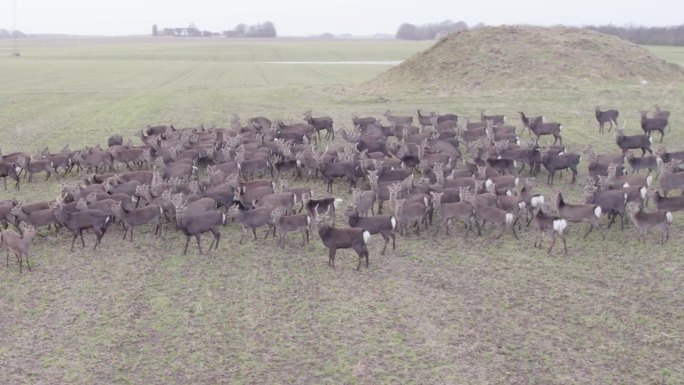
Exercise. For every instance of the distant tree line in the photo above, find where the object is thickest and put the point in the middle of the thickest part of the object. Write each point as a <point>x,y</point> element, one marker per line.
<point>645,35</point>
<point>408,31</point>
<point>6,34</point>
<point>265,29</point>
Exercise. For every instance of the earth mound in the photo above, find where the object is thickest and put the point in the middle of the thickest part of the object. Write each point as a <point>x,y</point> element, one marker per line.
<point>526,57</point>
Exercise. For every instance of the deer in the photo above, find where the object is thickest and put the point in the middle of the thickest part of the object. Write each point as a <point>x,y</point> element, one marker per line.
<point>413,212</point>
<point>553,163</point>
<point>285,224</point>
<point>590,213</point>
<point>648,125</point>
<point>287,200</point>
<point>321,123</point>
<point>461,211</point>
<point>649,163</point>
<point>397,119</point>
<point>148,214</point>
<point>526,121</point>
<point>495,119</point>
<point>616,181</point>
<point>549,224</point>
<point>19,245</point>
<point>629,142</point>
<point>666,203</point>
<point>10,170</point>
<point>385,225</point>
<point>38,218</point>
<point>33,166</point>
<point>349,238</point>
<point>363,201</point>
<point>425,120</point>
<point>251,219</point>
<point>608,116</point>
<point>669,179</point>
<point>540,128</point>
<point>659,220</point>
<point>331,171</point>
<point>495,215</point>
<point>82,220</point>
<point>612,202</point>
<point>194,225</point>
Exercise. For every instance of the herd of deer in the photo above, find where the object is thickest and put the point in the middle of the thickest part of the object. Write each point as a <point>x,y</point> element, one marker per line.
<point>420,172</point>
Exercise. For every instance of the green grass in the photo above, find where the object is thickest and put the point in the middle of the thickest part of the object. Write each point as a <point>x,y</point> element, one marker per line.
<point>437,310</point>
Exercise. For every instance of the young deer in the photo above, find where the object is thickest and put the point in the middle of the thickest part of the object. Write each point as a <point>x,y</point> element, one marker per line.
<point>285,224</point>
<point>603,117</point>
<point>138,217</point>
<point>19,245</point>
<point>251,219</point>
<point>549,224</point>
<point>334,239</point>
<point>659,220</point>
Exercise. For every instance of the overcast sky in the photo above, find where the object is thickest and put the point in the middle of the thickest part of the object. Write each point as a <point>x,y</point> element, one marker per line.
<point>308,17</point>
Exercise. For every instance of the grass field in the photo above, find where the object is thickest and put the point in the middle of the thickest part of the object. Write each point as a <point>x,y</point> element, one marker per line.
<point>437,310</point>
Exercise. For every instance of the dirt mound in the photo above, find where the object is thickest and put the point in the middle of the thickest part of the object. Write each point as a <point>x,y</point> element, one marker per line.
<point>526,57</point>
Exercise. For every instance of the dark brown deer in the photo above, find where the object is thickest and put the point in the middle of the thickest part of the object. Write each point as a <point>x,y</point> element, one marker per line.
<point>82,220</point>
<point>385,225</point>
<point>648,125</point>
<point>603,117</point>
<point>335,239</point>
<point>194,225</point>
<point>10,170</point>
<point>539,129</point>
<point>555,162</point>
<point>632,142</point>
<point>321,123</point>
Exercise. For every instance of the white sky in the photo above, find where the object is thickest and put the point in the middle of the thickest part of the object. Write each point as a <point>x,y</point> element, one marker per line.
<point>307,17</point>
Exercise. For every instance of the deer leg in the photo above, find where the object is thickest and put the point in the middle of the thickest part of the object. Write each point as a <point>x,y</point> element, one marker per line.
<point>591,228</point>
<point>503,229</point>
<point>574,175</point>
<point>74,240</point>
<point>217,236</point>
<point>331,257</point>
<point>27,262</point>
<point>386,238</point>
<point>199,244</point>
<point>244,230</point>
<point>187,241</point>
<point>98,236</point>
<point>20,261</point>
